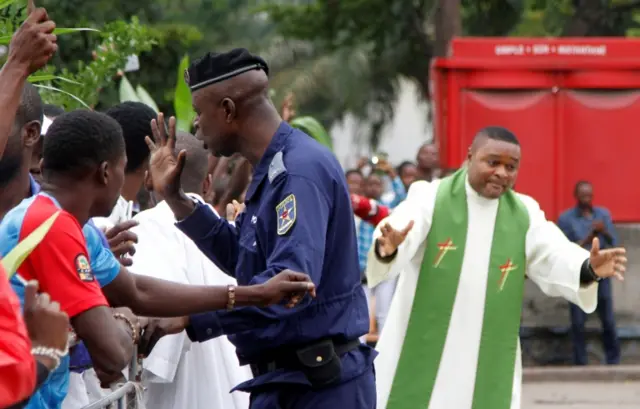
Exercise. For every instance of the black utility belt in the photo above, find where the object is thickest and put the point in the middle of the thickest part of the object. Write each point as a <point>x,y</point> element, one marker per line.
<point>320,361</point>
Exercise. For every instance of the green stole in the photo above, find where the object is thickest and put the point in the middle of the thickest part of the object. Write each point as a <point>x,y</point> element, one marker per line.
<point>435,295</point>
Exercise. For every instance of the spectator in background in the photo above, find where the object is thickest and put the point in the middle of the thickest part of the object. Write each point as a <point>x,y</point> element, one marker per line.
<point>428,163</point>
<point>408,173</point>
<point>355,181</point>
<point>135,120</point>
<point>374,189</point>
<point>581,224</point>
<point>51,112</point>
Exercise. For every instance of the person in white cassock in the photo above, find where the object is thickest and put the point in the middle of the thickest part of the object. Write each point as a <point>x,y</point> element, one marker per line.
<point>462,246</point>
<point>179,374</point>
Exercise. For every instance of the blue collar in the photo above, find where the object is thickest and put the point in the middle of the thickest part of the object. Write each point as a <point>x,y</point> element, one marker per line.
<point>34,187</point>
<point>275,146</point>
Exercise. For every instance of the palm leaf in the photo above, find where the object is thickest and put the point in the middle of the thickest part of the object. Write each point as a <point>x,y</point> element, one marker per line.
<point>313,128</point>
<point>126,91</point>
<point>48,77</point>
<point>59,31</point>
<point>182,100</point>
<point>50,88</point>
<point>146,98</point>
<point>6,40</point>
<point>12,261</point>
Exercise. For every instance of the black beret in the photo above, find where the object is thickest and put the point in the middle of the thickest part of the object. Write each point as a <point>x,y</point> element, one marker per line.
<point>216,67</point>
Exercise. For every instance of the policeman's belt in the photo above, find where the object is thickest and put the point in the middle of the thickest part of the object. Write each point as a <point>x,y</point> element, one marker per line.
<point>320,361</point>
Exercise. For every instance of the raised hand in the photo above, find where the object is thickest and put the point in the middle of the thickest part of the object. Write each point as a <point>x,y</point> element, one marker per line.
<point>122,241</point>
<point>391,239</point>
<point>34,43</point>
<point>287,285</point>
<point>234,209</point>
<point>165,167</point>
<point>609,262</point>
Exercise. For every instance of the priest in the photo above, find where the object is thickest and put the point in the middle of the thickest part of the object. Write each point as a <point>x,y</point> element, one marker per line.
<point>463,245</point>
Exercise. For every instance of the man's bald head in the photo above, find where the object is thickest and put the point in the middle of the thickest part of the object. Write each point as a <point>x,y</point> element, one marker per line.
<point>196,168</point>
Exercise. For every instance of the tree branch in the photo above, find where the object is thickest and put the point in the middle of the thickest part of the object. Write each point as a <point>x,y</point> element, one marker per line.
<point>626,7</point>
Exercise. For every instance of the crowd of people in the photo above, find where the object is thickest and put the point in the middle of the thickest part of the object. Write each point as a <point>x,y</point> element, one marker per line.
<point>245,259</point>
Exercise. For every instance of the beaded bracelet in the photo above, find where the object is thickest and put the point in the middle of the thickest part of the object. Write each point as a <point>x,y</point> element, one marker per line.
<point>47,352</point>
<point>133,327</point>
<point>231,296</point>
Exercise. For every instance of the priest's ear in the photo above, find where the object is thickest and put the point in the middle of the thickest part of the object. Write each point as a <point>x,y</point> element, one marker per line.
<point>469,154</point>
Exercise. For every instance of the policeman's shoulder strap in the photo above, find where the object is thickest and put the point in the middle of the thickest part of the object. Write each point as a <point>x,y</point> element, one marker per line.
<point>276,167</point>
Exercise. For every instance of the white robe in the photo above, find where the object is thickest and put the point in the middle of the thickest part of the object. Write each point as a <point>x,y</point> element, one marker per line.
<point>121,213</point>
<point>553,263</point>
<point>179,374</point>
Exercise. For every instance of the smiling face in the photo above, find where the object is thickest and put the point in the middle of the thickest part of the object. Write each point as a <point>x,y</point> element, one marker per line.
<point>493,166</point>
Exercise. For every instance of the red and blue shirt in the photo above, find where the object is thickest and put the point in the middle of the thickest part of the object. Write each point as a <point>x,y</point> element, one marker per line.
<point>61,265</point>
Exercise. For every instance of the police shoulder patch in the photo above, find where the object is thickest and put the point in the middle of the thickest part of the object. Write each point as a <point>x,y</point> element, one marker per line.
<point>276,167</point>
<point>286,213</point>
<point>83,268</point>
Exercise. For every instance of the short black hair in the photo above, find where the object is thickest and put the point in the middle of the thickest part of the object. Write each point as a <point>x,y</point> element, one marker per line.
<point>498,133</point>
<point>579,184</point>
<point>403,165</point>
<point>79,140</point>
<point>135,120</point>
<point>30,108</point>
<point>197,166</point>
<point>53,111</point>
<point>353,172</point>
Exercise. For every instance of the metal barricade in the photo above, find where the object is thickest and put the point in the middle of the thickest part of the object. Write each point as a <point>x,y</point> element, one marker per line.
<point>124,396</point>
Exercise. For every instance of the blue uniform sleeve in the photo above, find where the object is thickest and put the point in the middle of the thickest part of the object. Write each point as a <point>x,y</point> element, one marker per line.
<point>104,264</point>
<point>215,237</point>
<point>295,239</point>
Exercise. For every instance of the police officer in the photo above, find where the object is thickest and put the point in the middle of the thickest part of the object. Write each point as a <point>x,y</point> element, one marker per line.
<point>298,216</point>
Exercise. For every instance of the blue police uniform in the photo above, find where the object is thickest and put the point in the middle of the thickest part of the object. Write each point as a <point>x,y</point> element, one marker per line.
<point>298,216</point>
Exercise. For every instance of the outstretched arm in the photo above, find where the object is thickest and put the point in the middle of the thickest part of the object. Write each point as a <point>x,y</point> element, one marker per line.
<point>417,208</point>
<point>555,263</point>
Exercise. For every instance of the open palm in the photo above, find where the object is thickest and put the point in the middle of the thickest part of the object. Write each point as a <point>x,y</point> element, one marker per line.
<point>609,262</point>
<point>165,167</point>
<point>390,239</point>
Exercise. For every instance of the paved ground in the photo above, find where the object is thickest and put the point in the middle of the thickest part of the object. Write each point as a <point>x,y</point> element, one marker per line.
<point>583,395</point>
<point>608,387</point>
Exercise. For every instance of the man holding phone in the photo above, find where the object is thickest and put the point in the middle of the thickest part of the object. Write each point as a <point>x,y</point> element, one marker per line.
<point>581,224</point>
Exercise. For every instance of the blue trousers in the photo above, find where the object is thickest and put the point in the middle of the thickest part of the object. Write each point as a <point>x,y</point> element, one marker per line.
<point>609,334</point>
<point>358,393</point>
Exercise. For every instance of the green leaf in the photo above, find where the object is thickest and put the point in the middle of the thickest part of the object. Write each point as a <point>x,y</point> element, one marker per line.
<point>182,100</point>
<point>313,128</point>
<point>48,77</point>
<point>127,93</point>
<point>5,40</point>
<point>19,253</point>
<point>50,88</point>
<point>59,31</point>
<point>146,98</point>
<point>6,3</point>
